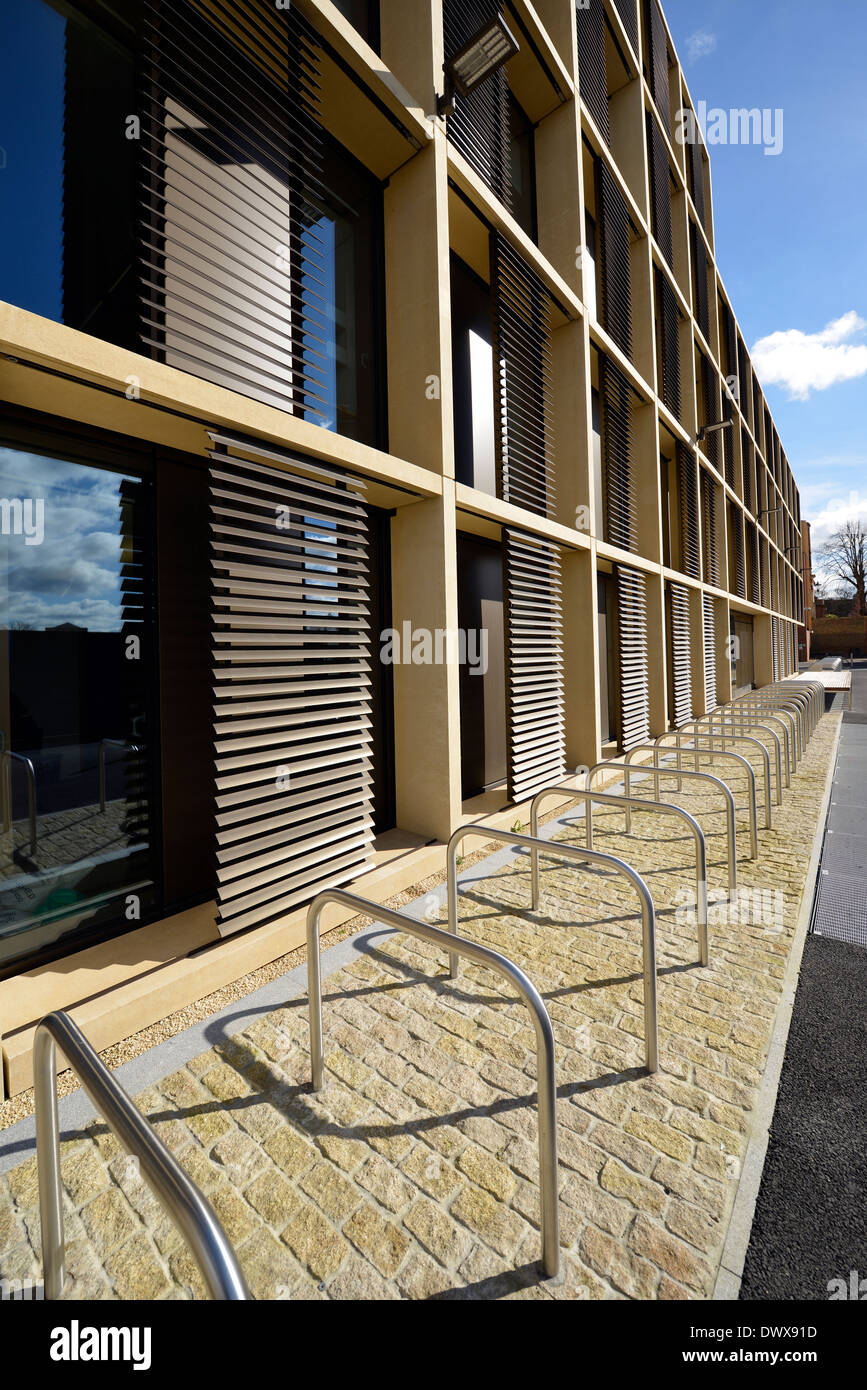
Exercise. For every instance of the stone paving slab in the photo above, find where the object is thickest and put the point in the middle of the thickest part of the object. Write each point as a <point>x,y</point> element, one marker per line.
<point>414,1174</point>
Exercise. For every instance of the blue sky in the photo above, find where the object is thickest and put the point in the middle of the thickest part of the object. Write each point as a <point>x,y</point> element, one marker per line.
<point>73,576</point>
<point>789,229</point>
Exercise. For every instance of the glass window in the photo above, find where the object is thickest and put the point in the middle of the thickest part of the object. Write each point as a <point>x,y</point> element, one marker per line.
<point>363,15</point>
<point>523,167</point>
<point>76,666</point>
<point>67,192</point>
<point>473,369</point>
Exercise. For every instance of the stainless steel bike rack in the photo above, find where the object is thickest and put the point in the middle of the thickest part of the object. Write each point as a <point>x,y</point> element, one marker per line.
<point>482,955</point>
<point>635,803</point>
<point>668,770</point>
<point>6,760</point>
<point>110,743</point>
<point>810,693</point>
<point>760,716</point>
<point>796,711</point>
<point>751,717</point>
<point>170,1184</point>
<point>581,856</point>
<point>660,769</point>
<point>695,731</point>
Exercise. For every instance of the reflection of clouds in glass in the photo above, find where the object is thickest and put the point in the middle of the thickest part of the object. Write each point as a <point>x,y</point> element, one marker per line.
<point>74,575</point>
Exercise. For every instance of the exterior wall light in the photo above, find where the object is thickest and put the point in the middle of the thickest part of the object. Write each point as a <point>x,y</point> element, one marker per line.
<point>712,429</point>
<point>486,51</point>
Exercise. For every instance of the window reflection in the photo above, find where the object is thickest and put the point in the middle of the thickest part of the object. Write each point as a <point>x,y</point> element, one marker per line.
<point>75,663</point>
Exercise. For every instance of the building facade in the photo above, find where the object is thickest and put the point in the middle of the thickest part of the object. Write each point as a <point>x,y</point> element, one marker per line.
<point>365,468</point>
<point>805,632</point>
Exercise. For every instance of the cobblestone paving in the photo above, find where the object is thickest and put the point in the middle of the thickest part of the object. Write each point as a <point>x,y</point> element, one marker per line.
<point>413,1174</point>
<point>65,837</point>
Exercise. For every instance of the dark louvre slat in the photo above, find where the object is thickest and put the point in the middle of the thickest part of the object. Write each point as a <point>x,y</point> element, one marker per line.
<point>710,519</point>
<point>681,653</point>
<point>660,190</point>
<point>479,125</point>
<point>616,283</point>
<point>696,177</point>
<point>633,657</point>
<point>658,56</point>
<point>669,322</point>
<point>617,455</point>
<point>743,380</point>
<point>709,379</point>
<point>740,578</point>
<point>521,338</point>
<point>628,11</point>
<point>748,469</point>
<point>290,589</point>
<point>232,266</point>
<point>755,592</point>
<point>710,672</point>
<point>689,511</point>
<point>700,280</point>
<point>535,709</point>
<point>591,65</point>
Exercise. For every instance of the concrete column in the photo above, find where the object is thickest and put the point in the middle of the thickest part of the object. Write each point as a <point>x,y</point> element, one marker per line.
<point>411,40</point>
<point>427,730</point>
<point>418,312</point>
<point>581,662</point>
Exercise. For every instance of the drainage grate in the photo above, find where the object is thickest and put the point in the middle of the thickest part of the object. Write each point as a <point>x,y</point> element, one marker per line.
<point>846,854</point>
<point>841,909</point>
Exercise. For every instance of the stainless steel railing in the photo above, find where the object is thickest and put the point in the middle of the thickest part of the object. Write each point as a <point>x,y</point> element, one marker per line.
<point>553,850</point>
<point>733,724</point>
<point>482,955</point>
<point>6,759</point>
<point>110,743</point>
<point>697,730</point>
<point>181,1198</point>
<point>638,803</point>
<point>658,770</point>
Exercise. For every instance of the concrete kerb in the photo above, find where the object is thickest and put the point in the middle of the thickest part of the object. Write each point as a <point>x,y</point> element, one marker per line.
<point>728,1281</point>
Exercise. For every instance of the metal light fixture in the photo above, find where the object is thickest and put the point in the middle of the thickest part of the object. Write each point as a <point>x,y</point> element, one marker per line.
<point>769,511</point>
<point>712,429</point>
<point>486,51</point>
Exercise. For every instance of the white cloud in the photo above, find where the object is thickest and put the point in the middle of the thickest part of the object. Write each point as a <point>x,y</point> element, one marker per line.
<point>699,45</point>
<point>828,513</point>
<point>806,362</point>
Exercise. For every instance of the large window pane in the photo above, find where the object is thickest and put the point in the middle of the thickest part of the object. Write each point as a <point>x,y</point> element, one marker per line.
<point>76,658</point>
<point>67,191</point>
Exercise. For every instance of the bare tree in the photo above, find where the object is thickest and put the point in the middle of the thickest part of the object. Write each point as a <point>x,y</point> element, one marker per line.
<point>844,555</point>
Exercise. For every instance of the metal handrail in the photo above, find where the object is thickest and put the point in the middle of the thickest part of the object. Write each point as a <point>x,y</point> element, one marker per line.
<point>639,804</point>
<point>482,955</point>
<point>110,743</point>
<point>6,758</point>
<point>668,770</point>
<point>181,1198</point>
<point>581,856</point>
<point>695,730</point>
